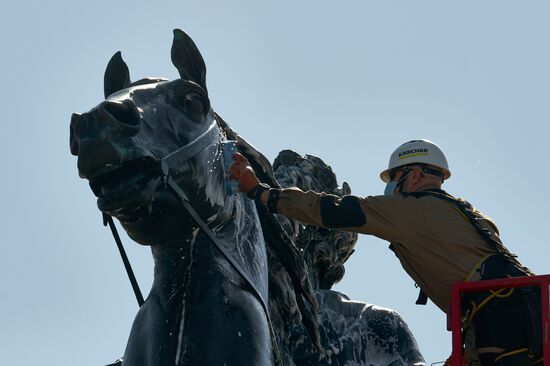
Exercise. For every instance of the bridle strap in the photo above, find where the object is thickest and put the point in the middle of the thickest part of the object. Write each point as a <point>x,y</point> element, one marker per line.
<point>191,149</point>
<point>199,221</point>
<point>181,155</point>
<point>218,244</point>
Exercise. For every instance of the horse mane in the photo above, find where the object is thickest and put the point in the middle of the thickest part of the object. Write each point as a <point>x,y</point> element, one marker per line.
<point>279,241</point>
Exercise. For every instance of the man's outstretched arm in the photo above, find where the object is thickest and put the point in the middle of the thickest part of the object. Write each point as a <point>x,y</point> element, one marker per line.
<point>319,209</point>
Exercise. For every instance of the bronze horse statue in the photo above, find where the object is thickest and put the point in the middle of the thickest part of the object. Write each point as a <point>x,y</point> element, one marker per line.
<point>152,152</point>
<point>230,286</point>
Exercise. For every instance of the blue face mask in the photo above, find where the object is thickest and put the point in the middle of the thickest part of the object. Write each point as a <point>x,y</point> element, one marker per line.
<point>391,186</point>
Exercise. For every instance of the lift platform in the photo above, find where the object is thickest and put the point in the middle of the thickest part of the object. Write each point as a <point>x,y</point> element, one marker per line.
<point>455,321</point>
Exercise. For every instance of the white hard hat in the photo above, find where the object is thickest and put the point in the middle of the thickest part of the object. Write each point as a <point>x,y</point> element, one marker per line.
<point>417,152</point>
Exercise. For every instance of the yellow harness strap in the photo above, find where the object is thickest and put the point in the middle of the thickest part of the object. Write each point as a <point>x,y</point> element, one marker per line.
<point>476,267</point>
<point>511,353</point>
<point>477,307</point>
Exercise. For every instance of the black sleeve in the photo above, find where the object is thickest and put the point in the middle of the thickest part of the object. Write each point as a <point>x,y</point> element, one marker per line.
<point>344,212</point>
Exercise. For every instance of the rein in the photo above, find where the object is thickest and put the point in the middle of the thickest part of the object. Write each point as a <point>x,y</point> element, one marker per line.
<point>108,220</point>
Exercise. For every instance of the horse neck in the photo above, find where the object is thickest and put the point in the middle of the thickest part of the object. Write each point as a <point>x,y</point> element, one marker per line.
<point>175,259</point>
<point>225,224</point>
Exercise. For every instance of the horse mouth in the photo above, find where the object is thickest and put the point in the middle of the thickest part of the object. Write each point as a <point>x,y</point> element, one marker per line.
<point>127,191</point>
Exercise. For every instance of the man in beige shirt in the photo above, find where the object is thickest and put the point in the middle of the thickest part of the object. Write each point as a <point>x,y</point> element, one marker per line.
<point>439,240</point>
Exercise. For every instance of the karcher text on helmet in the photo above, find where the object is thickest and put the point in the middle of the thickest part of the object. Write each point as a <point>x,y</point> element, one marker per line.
<point>417,152</point>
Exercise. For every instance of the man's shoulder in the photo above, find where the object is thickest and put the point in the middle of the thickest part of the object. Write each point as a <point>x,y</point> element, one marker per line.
<point>435,193</point>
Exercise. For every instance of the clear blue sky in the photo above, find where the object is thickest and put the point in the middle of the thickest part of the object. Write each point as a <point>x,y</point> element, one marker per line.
<point>346,81</point>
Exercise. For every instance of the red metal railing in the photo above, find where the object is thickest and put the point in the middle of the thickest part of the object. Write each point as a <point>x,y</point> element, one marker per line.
<point>455,311</point>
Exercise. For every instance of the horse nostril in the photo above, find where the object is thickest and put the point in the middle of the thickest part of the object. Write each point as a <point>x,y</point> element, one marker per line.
<point>124,112</point>
<point>73,142</point>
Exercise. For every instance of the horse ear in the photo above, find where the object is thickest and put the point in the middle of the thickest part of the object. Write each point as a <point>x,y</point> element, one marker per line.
<point>346,189</point>
<point>117,75</point>
<point>187,58</point>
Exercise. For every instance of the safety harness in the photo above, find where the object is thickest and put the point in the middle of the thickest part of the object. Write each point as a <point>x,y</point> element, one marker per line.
<point>468,211</point>
<point>502,264</point>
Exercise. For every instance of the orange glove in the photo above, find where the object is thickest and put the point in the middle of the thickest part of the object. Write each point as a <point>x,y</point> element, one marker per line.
<point>242,172</point>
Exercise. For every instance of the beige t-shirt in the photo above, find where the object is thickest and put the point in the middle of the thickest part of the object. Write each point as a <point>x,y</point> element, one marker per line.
<point>434,241</point>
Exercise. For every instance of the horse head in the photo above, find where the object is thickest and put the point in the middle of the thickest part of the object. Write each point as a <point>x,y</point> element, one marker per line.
<point>124,143</point>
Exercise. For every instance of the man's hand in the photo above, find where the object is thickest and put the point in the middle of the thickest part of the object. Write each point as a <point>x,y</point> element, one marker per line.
<point>242,172</point>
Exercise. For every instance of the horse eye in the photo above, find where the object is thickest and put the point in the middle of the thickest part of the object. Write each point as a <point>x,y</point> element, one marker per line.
<point>193,103</point>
